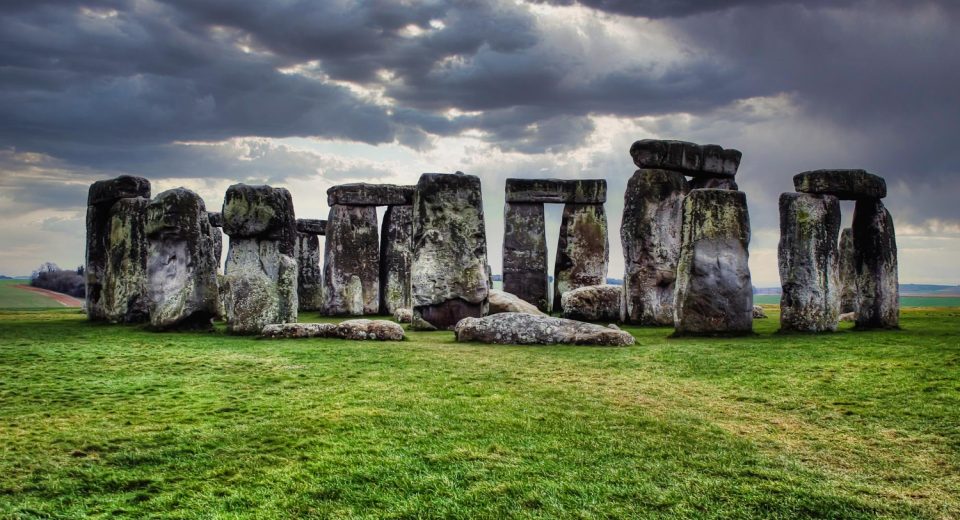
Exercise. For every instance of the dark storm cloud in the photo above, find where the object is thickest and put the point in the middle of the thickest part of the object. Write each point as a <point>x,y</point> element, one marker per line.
<point>680,8</point>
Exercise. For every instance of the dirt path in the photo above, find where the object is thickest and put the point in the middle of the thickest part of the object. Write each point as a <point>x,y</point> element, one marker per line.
<point>64,299</point>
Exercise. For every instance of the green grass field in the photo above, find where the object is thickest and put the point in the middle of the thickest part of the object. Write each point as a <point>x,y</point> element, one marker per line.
<point>113,421</point>
<point>13,298</point>
<point>905,301</point>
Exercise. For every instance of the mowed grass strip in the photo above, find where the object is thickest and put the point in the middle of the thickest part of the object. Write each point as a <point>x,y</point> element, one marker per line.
<point>117,421</point>
<point>13,297</point>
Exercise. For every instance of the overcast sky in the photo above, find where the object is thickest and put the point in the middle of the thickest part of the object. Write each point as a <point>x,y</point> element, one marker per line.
<point>308,94</point>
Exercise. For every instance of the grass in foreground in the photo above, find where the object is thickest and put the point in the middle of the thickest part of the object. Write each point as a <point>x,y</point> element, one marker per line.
<point>118,422</point>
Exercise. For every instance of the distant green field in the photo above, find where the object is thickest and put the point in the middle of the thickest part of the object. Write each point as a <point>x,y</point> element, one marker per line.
<point>101,421</point>
<point>14,298</point>
<point>905,301</point>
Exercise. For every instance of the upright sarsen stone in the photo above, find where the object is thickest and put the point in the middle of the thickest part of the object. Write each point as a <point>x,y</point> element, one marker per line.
<point>396,257</point>
<point>448,277</point>
<point>182,262</point>
<point>109,298</point>
<point>650,233</point>
<point>583,251</point>
<point>310,275</point>
<point>808,261</point>
<point>714,295</point>
<point>875,265</point>
<point>351,265</point>
<point>848,274</point>
<point>260,280</point>
<point>124,290</point>
<point>525,253</point>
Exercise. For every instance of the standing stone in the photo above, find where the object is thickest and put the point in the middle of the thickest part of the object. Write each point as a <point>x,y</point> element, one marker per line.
<point>101,198</point>
<point>875,265</point>
<point>124,293</point>
<point>808,261</point>
<point>448,277</point>
<point>716,183</point>
<point>848,274</point>
<point>714,294</point>
<point>310,275</point>
<point>396,256</point>
<point>351,254</point>
<point>583,250</point>
<point>650,233</point>
<point>182,263</point>
<point>525,253</point>
<point>260,280</point>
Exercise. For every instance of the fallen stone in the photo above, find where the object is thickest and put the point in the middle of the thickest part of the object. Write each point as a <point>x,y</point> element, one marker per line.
<point>378,330</point>
<point>593,303</point>
<point>558,191</point>
<point>396,255</point>
<point>311,226</point>
<point>123,292</point>
<point>110,191</point>
<point>808,262</point>
<point>583,251</point>
<point>363,194</point>
<point>448,276</point>
<point>691,159</point>
<point>351,265</point>
<point>525,253</point>
<point>650,234</point>
<point>714,294</point>
<point>501,302</point>
<point>759,313</point>
<point>215,218</point>
<point>875,264</point>
<point>517,328</point>
<point>310,275</point>
<point>848,274</point>
<point>260,212</point>
<point>403,315</point>
<point>181,263</point>
<point>843,184</point>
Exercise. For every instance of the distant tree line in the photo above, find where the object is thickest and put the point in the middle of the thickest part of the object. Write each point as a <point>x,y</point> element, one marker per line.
<point>50,276</point>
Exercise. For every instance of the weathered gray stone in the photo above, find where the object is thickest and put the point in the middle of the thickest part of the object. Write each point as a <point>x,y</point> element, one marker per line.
<point>501,302</point>
<point>848,316</point>
<point>216,238</point>
<point>396,255</point>
<point>517,328</point>
<point>448,277</point>
<point>215,218</point>
<point>310,275</point>
<point>311,226</point>
<point>181,262</point>
<point>714,294</point>
<point>101,197</point>
<point>110,191</point>
<point>261,212</point>
<point>525,253</point>
<point>848,274</point>
<point>403,315</point>
<point>650,234</point>
<point>808,261</point>
<point>363,194</point>
<point>260,274</point>
<point>759,313</point>
<point>583,252</point>
<point>843,184</point>
<point>593,303</point>
<point>708,160</point>
<point>378,330</point>
<point>713,183</point>
<point>351,262</point>
<point>560,191</point>
<point>875,264</point>
<point>123,291</point>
